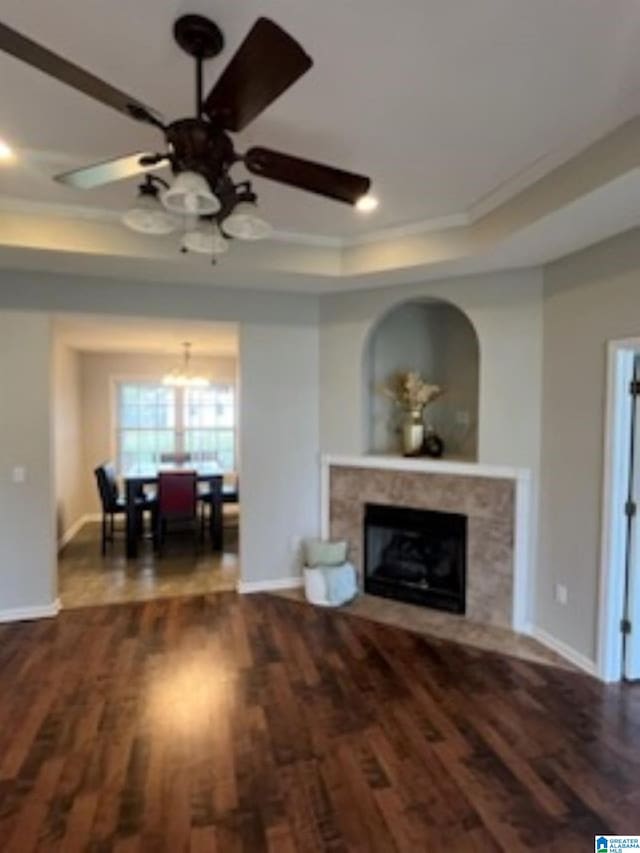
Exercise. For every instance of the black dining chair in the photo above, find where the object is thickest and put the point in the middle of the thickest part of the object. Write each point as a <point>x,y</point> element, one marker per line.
<point>113,504</point>
<point>211,501</point>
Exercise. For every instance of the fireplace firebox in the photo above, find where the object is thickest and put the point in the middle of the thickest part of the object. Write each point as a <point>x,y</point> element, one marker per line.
<point>416,555</point>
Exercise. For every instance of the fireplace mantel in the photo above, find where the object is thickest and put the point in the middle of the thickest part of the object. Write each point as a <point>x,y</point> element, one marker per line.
<point>441,471</point>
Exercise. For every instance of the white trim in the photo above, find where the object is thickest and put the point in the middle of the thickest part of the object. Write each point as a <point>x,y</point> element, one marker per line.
<point>522,547</point>
<point>245,587</point>
<point>563,154</point>
<point>521,607</point>
<point>22,614</point>
<point>565,651</point>
<point>302,238</point>
<point>33,207</point>
<point>615,479</point>
<point>77,526</point>
<point>410,229</point>
<point>427,466</point>
<point>72,531</point>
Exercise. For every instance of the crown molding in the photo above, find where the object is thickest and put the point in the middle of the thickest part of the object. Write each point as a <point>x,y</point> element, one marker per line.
<point>302,238</point>
<point>410,229</point>
<point>537,169</point>
<point>510,190</point>
<point>11,204</point>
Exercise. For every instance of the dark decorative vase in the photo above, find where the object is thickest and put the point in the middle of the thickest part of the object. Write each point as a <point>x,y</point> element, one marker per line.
<point>433,445</point>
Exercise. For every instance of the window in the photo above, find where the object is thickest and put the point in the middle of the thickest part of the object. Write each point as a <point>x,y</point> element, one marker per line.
<point>154,419</point>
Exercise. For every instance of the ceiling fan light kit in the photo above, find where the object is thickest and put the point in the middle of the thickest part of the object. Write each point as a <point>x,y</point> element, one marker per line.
<point>6,152</point>
<point>245,224</point>
<point>199,149</point>
<point>148,216</point>
<point>190,195</point>
<point>206,239</point>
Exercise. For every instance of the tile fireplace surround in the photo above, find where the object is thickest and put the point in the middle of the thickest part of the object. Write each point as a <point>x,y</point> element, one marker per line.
<point>495,499</point>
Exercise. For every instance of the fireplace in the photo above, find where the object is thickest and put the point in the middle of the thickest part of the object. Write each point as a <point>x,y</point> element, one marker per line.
<point>416,555</point>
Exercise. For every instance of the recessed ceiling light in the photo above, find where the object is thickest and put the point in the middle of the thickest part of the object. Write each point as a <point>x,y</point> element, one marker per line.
<point>367,204</point>
<point>6,152</point>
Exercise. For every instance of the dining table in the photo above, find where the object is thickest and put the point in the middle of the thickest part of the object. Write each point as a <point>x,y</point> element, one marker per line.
<point>136,479</point>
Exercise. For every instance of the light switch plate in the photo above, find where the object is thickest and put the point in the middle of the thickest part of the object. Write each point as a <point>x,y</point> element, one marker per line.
<point>562,596</point>
<point>19,474</point>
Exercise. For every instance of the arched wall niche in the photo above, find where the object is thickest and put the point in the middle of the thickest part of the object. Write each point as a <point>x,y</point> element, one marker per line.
<point>439,341</point>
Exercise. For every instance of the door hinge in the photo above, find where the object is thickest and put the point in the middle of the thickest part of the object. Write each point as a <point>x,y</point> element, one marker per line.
<point>630,509</point>
<point>625,626</point>
<point>634,387</point>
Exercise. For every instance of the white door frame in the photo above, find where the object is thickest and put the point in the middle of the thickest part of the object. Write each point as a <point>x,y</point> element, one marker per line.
<point>620,359</point>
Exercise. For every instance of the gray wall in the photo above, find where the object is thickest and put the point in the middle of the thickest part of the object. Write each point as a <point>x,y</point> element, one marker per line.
<point>67,438</point>
<point>439,342</point>
<point>27,528</point>
<point>589,298</point>
<point>279,462</point>
<point>506,312</point>
<point>279,446</point>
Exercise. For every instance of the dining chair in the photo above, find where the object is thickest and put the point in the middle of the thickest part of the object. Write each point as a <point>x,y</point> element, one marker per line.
<point>177,503</point>
<point>113,504</point>
<point>210,501</point>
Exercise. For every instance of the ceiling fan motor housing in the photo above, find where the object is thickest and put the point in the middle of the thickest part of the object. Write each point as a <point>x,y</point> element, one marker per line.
<point>197,145</point>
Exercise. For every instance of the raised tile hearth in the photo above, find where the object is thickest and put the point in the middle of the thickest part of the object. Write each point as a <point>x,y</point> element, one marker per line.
<point>494,501</point>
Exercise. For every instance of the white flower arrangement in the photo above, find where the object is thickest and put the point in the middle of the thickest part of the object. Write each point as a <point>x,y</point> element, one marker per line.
<point>410,392</point>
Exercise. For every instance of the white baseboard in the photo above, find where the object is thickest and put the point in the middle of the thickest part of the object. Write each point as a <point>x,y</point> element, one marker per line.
<point>565,651</point>
<point>244,587</point>
<point>22,614</point>
<point>76,527</point>
<point>72,531</point>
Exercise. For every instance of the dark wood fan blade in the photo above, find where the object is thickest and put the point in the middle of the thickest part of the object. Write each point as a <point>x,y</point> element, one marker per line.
<point>265,65</point>
<point>29,51</point>
<point>111,170</point>
<point>307,175</point>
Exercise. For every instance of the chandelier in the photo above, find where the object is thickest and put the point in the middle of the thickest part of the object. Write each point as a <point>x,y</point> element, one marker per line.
<point>182,376</point>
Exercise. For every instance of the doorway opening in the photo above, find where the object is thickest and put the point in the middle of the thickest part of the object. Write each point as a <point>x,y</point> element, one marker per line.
<point>619,600</point>
<point>146,458</point>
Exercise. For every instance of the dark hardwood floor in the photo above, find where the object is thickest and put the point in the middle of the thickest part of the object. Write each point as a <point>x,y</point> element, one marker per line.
<point>246,724</point>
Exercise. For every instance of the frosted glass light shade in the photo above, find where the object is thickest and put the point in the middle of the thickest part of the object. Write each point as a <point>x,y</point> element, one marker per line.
<point>245,224</point>
<point>147,216</point>
<point>205,240</point>
<point>190,194</point>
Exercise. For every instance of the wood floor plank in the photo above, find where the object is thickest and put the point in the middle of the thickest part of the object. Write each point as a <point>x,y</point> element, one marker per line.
<point>227,723</point>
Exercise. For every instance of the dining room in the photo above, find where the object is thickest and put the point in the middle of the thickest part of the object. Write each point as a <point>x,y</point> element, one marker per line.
<point>145,438</point>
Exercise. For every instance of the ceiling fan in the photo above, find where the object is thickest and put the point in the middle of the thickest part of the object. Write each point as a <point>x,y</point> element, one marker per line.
<point>199,149</point>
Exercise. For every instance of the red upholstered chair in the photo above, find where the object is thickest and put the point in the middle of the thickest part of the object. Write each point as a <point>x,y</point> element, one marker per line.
<point>177,503</point>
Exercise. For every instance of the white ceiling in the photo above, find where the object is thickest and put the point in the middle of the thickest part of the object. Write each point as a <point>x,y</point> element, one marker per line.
<point>443,102</point>
<point>88,333</point>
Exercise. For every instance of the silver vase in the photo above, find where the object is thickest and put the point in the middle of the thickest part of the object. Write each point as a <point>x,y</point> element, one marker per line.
<point>413,433</point>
